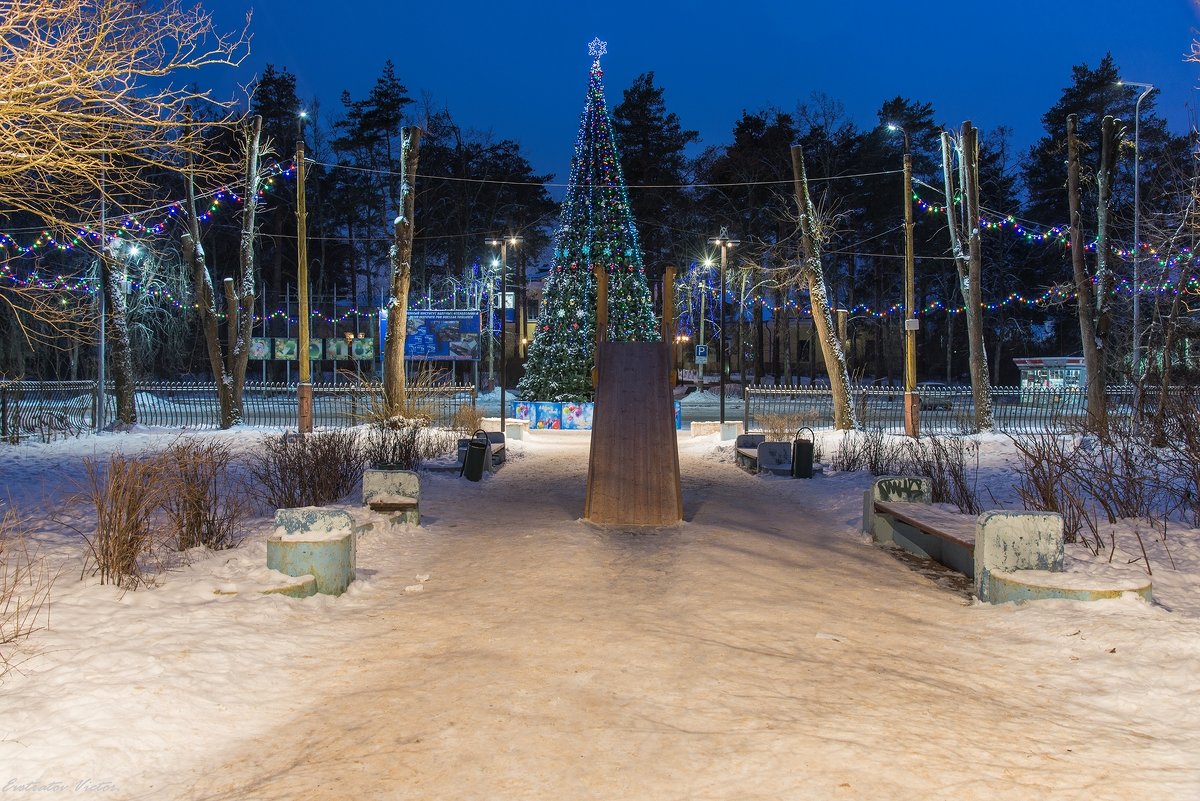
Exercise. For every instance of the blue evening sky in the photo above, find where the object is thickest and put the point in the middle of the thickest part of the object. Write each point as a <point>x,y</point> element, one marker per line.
<point>520,69</point>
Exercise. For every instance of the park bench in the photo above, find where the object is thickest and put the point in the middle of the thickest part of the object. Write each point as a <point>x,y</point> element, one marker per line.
<point>746,450</point>
<point>1009,555</point>
<point>759,456</point>
<point>395,493</point>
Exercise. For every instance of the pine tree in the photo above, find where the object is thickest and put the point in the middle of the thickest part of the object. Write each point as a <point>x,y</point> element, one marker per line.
<point>596,227</point>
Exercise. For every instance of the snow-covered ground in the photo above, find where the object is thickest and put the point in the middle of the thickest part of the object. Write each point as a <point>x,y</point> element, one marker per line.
<point>506,650</point>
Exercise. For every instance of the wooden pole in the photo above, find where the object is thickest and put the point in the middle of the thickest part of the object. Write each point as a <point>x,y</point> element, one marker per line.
<point>304,398</point>
<point>912,405</point>
<point>601,318</point>
<point>668,319</point>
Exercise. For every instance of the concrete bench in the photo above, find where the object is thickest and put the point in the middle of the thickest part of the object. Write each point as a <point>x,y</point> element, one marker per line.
<point>317,542</point>
<point>746,450</point>
<point>757,455</point>
<point>496,441</point>
<point>393,492</point>
<point>1010,555</point>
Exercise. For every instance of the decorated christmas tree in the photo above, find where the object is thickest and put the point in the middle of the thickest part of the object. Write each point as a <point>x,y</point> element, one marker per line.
<point>596,228</point>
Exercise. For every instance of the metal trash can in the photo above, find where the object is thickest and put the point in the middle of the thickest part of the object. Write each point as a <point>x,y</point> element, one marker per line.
<point>802,454</point>
<point>476,456</point>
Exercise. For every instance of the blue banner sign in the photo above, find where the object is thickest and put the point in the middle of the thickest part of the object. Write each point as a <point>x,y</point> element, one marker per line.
<point>442,334</point>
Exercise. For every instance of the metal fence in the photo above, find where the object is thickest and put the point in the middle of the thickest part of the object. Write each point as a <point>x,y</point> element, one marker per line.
<point>944,410</point>
<point>45,410</point>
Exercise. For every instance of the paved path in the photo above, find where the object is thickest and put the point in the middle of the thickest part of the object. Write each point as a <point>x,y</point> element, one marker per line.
<point>734,657</point>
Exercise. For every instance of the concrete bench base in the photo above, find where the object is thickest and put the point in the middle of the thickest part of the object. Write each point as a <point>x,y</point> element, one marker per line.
<point>1012,556</point>
<point>395,493</point>
<point>1039,585</point>
<point>291,586</point>
<point>314,542</point>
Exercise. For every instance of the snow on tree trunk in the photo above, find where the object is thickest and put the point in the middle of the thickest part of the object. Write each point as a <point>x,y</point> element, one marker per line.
<point>969,262</point>
<point>400,256</point>
<point>1093,296</point>
<point>240,301</point>
<point>120,357</point>
<point>202,289</point>
<point>814,274</point>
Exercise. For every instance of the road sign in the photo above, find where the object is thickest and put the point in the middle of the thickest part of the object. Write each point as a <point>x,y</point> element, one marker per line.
<point>702,354</point>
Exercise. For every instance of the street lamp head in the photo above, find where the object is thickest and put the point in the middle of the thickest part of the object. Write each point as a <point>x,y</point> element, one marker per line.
<point>1139,84</point>
<point>893,127</point>
<point>722,239</point>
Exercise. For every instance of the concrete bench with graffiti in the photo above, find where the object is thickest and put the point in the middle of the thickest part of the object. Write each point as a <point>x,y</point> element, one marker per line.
<point>1010,555</point>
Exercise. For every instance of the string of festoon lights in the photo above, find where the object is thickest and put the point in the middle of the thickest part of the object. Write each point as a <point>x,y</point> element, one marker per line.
<point>225,197</point>
<point>127,224</point>
<point>1059,234</point>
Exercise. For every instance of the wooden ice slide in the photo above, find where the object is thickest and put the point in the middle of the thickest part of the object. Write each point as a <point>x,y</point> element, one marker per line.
<point>633,469</point>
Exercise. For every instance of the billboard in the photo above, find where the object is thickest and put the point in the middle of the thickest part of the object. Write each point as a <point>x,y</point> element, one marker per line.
<point>442,334</point>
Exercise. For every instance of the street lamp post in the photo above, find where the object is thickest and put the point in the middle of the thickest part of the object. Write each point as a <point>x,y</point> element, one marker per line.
<point>724,242</point>
<point>504,243</point>
<point>1137,245</point>
<point>912,404</point>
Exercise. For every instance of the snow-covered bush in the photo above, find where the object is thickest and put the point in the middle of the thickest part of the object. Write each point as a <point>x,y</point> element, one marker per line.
<point>466,420</point>
<point>943,460</point>
<point>127,494</point>
<point>394,444</point>
<point>25,582</point>
<point>782,426</point>
<point>203,505</point>
<point>294,470</point>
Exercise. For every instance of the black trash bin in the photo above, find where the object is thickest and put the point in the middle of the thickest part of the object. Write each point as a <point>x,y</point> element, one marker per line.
<point>476,456</point>
<point>802,454</point>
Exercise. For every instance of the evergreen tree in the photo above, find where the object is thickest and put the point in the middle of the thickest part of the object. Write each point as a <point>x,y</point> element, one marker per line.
<point>276,102</point>
<point>652,143</point>
<point>596,228</point>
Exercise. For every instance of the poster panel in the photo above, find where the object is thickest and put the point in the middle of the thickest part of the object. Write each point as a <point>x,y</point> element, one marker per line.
<point>442,334</point>
<point>363,348</point>
<point>577,416</point>
<point>336,348</point>
<point>546,415</point>
<point>286,348</point>
<point>260,348</point>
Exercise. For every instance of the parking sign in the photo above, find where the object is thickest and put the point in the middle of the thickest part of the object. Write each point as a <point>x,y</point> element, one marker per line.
<point>702,354</point>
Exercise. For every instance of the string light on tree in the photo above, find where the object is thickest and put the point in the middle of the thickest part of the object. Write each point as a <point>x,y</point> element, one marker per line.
<point>596,229</point>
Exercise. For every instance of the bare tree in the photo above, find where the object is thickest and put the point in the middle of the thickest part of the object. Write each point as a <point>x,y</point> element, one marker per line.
<point>88,112</point>
<point>1093,297</point>
<point>228,363</point>
<point>400,256</point>
<point>813,274</point>
<point>969,260</point>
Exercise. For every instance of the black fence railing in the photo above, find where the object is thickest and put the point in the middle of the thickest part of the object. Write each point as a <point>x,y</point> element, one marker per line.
<point>45,410</point>
<point>947,410</point>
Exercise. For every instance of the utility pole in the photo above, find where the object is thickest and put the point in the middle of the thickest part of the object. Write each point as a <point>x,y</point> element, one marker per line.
<point>912,401</point>
<point>304,397</point>
<point>725,243</point>
<point>504,243</point>
<point>1137,245</point>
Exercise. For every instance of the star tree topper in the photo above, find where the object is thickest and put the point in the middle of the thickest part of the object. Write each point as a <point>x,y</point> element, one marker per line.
<point>597,48</point>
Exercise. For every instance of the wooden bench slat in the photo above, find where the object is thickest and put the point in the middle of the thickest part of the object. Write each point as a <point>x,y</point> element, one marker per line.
<point>934,521</point>
<point>392,506</point>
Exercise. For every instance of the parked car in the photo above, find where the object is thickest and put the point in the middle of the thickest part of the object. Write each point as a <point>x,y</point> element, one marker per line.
<point>935,395</point>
